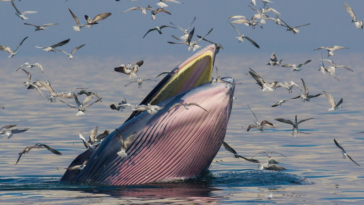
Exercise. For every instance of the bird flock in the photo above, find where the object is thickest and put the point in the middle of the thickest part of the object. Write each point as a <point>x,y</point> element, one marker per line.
<point>259,18</point>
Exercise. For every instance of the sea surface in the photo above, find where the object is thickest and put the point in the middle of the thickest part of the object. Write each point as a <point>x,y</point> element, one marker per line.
<point>316,172</point>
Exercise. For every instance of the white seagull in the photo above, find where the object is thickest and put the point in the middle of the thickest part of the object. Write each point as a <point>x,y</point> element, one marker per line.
<point>42,27</point>
<point>296,67</point>
<point>294,124</point>
<point>124,143</point>
<point>143,9</point>
<point>162,4</point>
<point>263,85</point>
<point>330,50</point>
<point>22,14</point>
<point>288,86</point>
<point>12,53</point>
<point>274,61</point>
<point>344,152</point>
<point>31,66</point>
<point>185,31</point>
<point>52,47</point>
<point>241,36</point>
<point>358,24</point>
<point>334,106</point>
<point>70,55</point>
<point>79,26</point>
<point>306,95</point>
<point>158,28</point>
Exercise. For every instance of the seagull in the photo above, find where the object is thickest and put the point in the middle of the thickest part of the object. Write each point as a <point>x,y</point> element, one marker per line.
<point>37,83</point>
<point>245,21</point>
<point>296,67</point>
<point>129,69</point>
<point>121,106</point>
<point>288,86</point>
<point>337,65</point>
<point>186,106</point>
<point>52,47</point>
<point>88,144</point>
<point>260,15</point>
<point>141,108</point>
<point>294,124</point>
<point>159,29</point>
<point>9,132</point>
<point>268,166</point>
<point>293,29</point>
<point>334,106</point>
<point>20,14</point>
<point>96,19</point>
<point>305,96</point>
<point>264,1</point>
<point>330,50</point>
<point>191,44</point>
<point>79,26</point>
<point>259,126</point>
<point>48,87</point>
<point>268,9</point>
<point>42,27</point>
<point>162,4</point>
<point>153,109</point>
<point>185,31</point>
<point>144,10</point>
<point>38,145</point>
<point>124,143</point>
<point>32,66</point>
<point>322,66</point>
<point>344,152</point>
<point>102,136</point>
<point>358,24</point>
<point>155,12</point>
<point>241,36</point>
<point>78,167</point>
<point>274,61</point>
<point>12,53</point>
<point>268,153</point>
<point>81,107</point>
<point>280,102</point>
<point>70,55</point>
<point>29,83</point>
<point>139,81</point>
<point>263,85</point>
<point>236,155</point>
<point>218,45</point>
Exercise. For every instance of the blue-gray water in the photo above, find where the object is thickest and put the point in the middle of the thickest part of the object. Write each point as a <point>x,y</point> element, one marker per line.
<point>316,172</point>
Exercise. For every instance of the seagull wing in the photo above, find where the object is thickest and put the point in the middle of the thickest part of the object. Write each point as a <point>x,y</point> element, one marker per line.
<point>88,105</point>
<point>334,48</point>
<point>254,9</point>
<point>6,49</point>
<point>205,35</point>
<point>133,81</point>
<point>287,65</point>
<point>50,24</point>
<point>331,99</point>
<point>139,63</point>
<point>284,121</point>
<point>21,43</point>
<point>352,160</point>
<point>129,140</point>
<point>257,78</point>
<point>29,12</point>
<point>251,41</point>
<point>75,17</point>
<point>340,102</point>
<point>60,43</point>
<point>63,51</point>
<point>166,72</point>
<point>195,104</point>
<point>101,17</point>
<point>304,120</point>
<point>39,66</point>
<point>15,131</point>
<point>191,24</point>
<point>29,75</point>
<point>330,61</point>
<point>17,10</point>
<point>273,57</point>
<point>29,24</point>
<point>266,123</point>
<point>304,87</point>
<point>77,48</point>
<point>72,106</point>
<point>228,148</point>
<point>46,86</point>
<point>258,154</point>
<point>177,27</point>
<point>7,127</point>
<point>51,149</point>
<point>302,25</point>
<point>172,1</point>
<point>174,106</point>
<point>340,147</point>
<point>39,91</point>
<point>249,160</point>
<point>251,126</point>
<point>350,11</point>
<point>190,35</point>
<point>132,9</point>
<point>274,152</point>
<point>93,134</point>
<point>235,29</point>
<point>306,62</point>
<point>149,31</point>
<point>162,10</point>
<point>321,47</point>
<point>256,119</point>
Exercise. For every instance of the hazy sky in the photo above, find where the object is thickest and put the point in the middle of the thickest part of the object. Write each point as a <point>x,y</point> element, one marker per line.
<point>121,34</point>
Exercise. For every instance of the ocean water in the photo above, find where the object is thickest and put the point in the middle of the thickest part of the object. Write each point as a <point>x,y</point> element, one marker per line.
<point>316,172</point>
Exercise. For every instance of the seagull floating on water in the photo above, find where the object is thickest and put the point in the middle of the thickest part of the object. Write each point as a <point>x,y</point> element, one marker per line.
<point>12,53</point>
<point>344,152</point>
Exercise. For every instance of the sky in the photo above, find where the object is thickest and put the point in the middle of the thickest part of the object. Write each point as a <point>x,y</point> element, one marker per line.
<point>121,34</point>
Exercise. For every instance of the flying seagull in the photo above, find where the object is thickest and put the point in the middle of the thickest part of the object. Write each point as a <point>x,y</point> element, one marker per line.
<point>269,154</point>
<point>330,50</point>
<point>274,61</point>
<point>358,24</point>
<point>158,28</point>
<point>139,81</point>
<point>218,45</point>
<point>337,65</point>
<point>81,106</point>
<point>186,106</point>
<point>155,12</point>
<point>12,53</point>
<point>293,29</point>
<point>241,36</point>
<point>29,83</point>
<point>334,106</point>
<point>344,152</point>
<point>39,146</point>
<point>263,85</point>
<point>129,69</point>
<point>78,167</point>
<point>306,95</point>
<point>121,105</point>
<point>294,124</point>
<point>79,26</point>
<point>124,143</point>
<point>32,66</point>
<point>288,86</point>
<point>7,127</point>
<point>52,47</point>
<point>296,67</point>
<point>96,19</point>
<point>42,27</point>
<point>185,31</point>
<point>236,155</point>
<point>70,55</point>
<point>143,9</point>
<point>9,132</point>
<point>22,14</point>
<point>279,103</point>
<point>259,126</point>
<point>162,4</point>
<point>261,15</point>
<point>245,21</point>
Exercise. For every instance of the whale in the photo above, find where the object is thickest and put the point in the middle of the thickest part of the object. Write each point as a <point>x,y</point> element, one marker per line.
<point>171,144</point>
